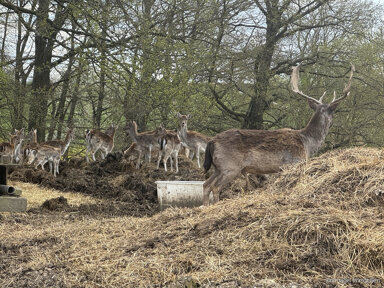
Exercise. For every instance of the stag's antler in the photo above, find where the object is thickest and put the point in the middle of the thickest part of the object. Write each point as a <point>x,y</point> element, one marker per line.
<point>295,87</point>
<point>347,88</point>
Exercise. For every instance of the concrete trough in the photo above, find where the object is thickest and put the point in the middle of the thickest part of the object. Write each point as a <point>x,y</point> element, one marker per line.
<point>13,204</point>
<point>179,193</point>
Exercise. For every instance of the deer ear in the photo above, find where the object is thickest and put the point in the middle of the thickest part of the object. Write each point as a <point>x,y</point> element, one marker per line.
<point>332,107</point>
<point>178,115</point>
<point>189,116</point>
<point>312,104</point>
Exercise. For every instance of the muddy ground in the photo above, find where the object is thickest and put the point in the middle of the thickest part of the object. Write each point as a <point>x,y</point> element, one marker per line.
<point>133,191</point>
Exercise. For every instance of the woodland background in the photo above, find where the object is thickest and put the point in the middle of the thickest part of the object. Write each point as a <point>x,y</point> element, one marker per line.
<point>226,62</point>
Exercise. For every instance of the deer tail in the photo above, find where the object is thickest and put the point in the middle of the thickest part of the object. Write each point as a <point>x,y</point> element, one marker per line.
<point>208,156</point>
<point>162,143</point>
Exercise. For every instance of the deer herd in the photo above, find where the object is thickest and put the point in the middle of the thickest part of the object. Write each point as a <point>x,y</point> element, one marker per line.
<point>231,153</point>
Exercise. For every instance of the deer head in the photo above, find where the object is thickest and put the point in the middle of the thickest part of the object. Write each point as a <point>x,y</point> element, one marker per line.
<point>183,120</point>
<point>317,128</point>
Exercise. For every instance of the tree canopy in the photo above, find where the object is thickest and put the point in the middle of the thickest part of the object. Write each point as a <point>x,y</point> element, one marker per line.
<point>226,62</point>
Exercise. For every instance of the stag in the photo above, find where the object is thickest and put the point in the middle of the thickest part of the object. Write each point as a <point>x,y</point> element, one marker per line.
<point>236,151</point>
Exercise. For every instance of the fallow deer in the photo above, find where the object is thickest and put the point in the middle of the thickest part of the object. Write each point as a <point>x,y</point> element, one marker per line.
<point>62,144</point>
<point>42,154</point>
<point>97,140</point>
<point>262,152</point>
<point>32,138</point>
<point>194,141</point>
<point>170,145</point>
<point>146,141</point>
<point>12,149</point>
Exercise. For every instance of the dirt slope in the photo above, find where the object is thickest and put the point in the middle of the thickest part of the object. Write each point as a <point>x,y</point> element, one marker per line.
<point>317,224</point>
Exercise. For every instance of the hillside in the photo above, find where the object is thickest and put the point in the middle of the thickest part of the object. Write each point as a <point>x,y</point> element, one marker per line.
<point>316,224</point>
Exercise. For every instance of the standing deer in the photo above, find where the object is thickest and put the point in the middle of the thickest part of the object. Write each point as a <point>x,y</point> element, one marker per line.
<point>170,145</point>
<point>146,141</point>
<point>262,152</point>
<point>41,154</point>
<point>95,140</point>
<point>13,147</point>
<point>63,145</point>
<point>32,138</point>
<point>194,141</point>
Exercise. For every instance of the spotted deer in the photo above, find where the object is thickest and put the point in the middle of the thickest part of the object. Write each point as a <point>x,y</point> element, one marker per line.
<point>170,145</point>
<point>31,137</point>
<point>194,141</point>
<point>97,140</point>
<point>63,144</point>
<point>262,152</point>
<point>41,154</point>
<point>146,141</point>
<point>12,149</point>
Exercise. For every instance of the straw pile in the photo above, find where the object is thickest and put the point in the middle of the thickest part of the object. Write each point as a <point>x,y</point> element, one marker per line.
<point>316,224</point>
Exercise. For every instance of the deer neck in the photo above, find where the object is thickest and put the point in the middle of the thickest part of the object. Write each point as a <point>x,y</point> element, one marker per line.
<point>183,132</point>
<point>314,133</point>
<point>133,133</point>
<point>113,132</point>
<point>17,147</point>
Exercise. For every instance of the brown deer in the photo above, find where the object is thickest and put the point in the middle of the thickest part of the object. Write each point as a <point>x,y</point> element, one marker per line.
<point>32,138</point>
<point>41,154</point>
<point>194,141</point>
<point>262,152</point>
<point>170,145</point>
<point>62,144</point>
<point>97,140</point>
<point>146,141</point>
<point>12,149</point>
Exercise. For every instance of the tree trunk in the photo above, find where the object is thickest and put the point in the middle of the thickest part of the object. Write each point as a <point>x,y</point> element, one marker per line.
<point>45,36</point>
<point>258,104</point>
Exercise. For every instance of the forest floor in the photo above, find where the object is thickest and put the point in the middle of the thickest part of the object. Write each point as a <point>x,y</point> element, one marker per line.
<point>316,224</point>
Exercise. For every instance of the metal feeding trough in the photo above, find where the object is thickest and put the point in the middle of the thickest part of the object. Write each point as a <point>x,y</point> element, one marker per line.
<point>179,193</point>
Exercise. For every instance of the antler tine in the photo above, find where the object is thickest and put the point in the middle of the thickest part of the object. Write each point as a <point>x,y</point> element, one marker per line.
<point>347,88</point>
<point>322,96</point>
<point>294,85</point>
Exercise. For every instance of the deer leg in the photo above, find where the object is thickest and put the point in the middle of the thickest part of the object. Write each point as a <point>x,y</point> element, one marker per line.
<point>57,164</point>
<point>165,159</point>
<point>159,159</point>
<point>221,181</point>
<point>93,155</point>
<point>56,167</point>
<point>207,186</point>
<point>246,175</point>
<point>138,160</point>
<point>168,156</point>
<point>175,155</point>
<point>86,153</point>
<point>170,160</point>
<point>150,153</point>
<point>191,154</point>
<point>198,156</point>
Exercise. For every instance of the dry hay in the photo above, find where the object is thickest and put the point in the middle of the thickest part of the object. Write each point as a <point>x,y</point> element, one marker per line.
<point>317,224</point>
